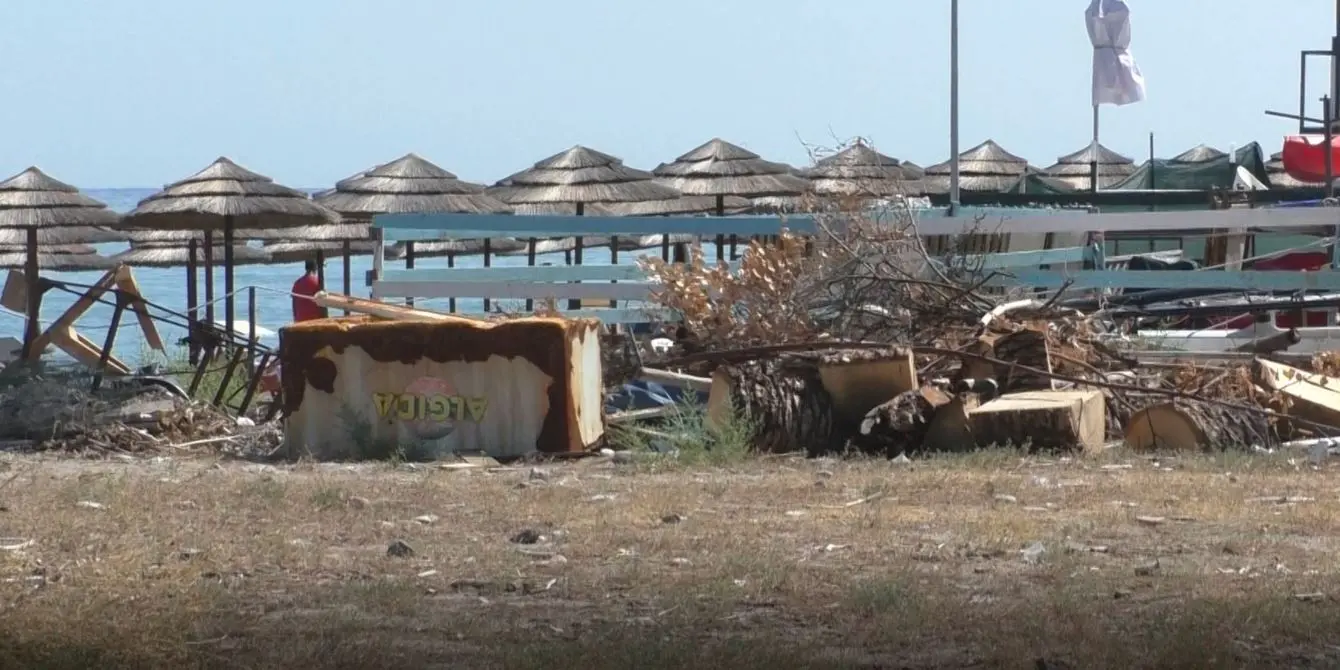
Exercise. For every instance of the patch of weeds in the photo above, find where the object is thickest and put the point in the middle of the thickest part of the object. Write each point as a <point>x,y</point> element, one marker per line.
<point>329,497</point>
<point>881,598</point>
<point>266,488</point>
<point>383,596</point>
<point>685,435</point>
<point>369,447</point>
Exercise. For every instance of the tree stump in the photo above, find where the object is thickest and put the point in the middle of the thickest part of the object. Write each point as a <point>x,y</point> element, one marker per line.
<point>1192,425</point>
<point>783,398</point>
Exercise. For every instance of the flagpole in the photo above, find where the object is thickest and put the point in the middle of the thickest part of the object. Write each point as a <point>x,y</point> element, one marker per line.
<point>953,107</point>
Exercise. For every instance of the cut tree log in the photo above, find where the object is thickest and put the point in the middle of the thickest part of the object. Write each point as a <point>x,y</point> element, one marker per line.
<point>1192,425</point>
<point>1027,348</point>
<point>1314,397</point>
<point>860,379</point>
<point>1069,420</point>
<point>785,401</point>
<point>1024,347</point>
<point>901,424</point>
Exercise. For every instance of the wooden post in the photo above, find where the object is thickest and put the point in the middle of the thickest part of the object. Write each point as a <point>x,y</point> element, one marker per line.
<point>530,262</point>
<point>451,263</point>
<point>229,306</point>
<point>192,303</point>
<point>614,260</point>
<point>488,262</point>
<point>34,295</point>
<point>209,277</point>
<point>251,325</point>
<point>409,265</point>
<point>348,273</point>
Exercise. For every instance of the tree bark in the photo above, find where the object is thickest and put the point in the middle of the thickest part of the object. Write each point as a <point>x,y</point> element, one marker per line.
<point>785,401</point>
<point>1191,425</point>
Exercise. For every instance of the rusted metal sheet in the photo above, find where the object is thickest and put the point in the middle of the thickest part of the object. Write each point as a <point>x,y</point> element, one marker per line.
<point>359,388</point>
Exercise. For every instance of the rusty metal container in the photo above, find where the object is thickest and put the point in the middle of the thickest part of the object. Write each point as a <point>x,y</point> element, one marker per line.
<point>355,387</point>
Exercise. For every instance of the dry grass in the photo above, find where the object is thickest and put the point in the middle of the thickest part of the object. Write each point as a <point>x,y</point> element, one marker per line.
<point>767,564</point>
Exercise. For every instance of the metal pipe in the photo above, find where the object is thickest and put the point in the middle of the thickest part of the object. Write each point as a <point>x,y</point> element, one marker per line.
<point>953,106</point>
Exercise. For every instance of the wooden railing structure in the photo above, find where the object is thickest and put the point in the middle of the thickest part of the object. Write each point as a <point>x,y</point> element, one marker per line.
<point>1083,266</point>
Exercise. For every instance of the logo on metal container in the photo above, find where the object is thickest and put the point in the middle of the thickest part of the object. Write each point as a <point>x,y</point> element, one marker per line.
<point>430,407</point>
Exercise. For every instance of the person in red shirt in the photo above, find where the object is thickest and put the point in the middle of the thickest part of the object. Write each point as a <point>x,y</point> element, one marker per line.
<point>304,308</point>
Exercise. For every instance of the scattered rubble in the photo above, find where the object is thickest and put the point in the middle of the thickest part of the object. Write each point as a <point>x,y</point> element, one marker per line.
<point>58,412</point>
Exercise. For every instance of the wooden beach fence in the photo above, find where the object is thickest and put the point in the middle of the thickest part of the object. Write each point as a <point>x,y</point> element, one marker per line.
<point>1025,268</point>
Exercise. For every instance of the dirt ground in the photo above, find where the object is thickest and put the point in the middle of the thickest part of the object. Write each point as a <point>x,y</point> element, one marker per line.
<point>987,560</point>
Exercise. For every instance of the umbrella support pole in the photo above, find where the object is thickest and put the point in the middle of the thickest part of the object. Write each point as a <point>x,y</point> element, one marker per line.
<point>230,301</point>
<point>348,271</point>
<point>192,303</point>
<point>34,294</point>
<point>209,276</point>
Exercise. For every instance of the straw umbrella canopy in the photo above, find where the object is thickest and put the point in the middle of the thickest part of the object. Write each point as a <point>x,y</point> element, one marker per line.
<point>985,168</point>
<point>580,177</point>
<point>36,209</point>
<point>859,170</point>
<point>226,196</point>
<point>1280,179</point>
<point>409,184</point>
<point>1199,154</point>
<point>56,258</point>
<point>1076,169</point>
<point>718,168</point>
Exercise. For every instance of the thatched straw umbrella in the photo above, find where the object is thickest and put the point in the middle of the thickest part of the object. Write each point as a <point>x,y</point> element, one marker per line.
<point>1199,154</point>
<point>36,209</point>
<point>579,177</point>
<point>861,171</point>
<point>1282,180</point>
<point>1076,169</point>
<point>985,168</point>
<point>408,184</point>
<point>227,196</point>
<point>56,258</point>
<point>718,168</point>
<point>912,170</point>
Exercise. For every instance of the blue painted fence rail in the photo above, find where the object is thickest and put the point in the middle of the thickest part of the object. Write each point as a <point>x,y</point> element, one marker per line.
<point>1021,265</point>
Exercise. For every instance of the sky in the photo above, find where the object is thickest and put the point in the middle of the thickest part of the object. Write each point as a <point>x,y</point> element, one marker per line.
<point>140,93</point>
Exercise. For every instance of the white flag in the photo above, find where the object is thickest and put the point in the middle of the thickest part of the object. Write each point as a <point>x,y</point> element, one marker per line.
<point>1116,77</point>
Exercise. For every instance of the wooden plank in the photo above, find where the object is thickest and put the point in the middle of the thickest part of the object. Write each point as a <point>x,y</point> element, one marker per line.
<point>1021,259</point>
<point>541,273</point>
<point>407,227</point>
<point>1272,280</point>
<point>1030,221</point>
<point>511,290</point>
<point>608,316</point>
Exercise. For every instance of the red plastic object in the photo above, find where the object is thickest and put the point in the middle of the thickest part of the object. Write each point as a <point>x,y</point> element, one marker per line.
<point>1304,157</point>
<point>1298,261</point>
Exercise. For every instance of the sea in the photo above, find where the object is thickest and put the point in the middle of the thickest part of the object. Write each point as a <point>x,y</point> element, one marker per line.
<point>167,287</point>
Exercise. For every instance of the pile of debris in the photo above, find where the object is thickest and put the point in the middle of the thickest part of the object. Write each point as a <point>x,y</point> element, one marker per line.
<point>58,412</point>
<point>902,354</point>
